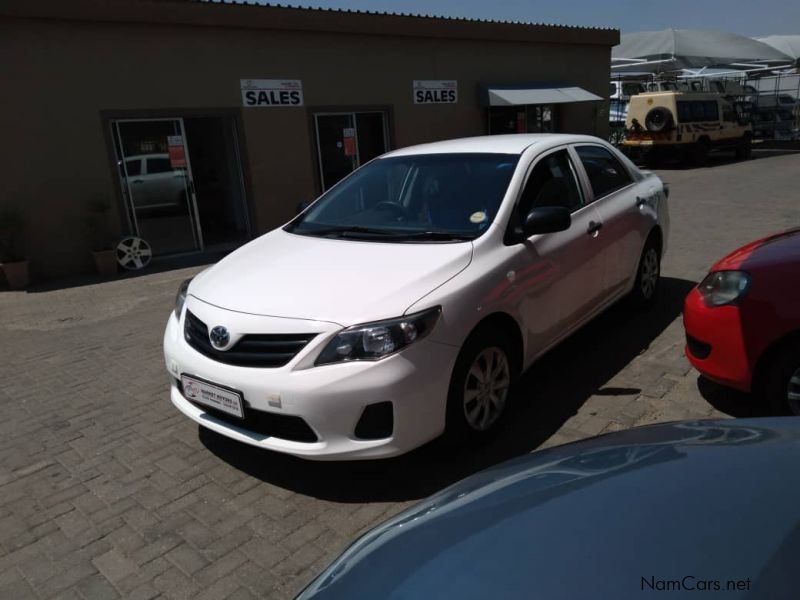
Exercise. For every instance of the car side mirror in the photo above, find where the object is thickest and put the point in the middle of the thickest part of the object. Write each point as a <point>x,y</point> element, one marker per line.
<point>547,219</point>
<point>301,207</point>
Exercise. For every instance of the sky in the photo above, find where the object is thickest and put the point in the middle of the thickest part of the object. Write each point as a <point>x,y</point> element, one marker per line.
<point>747,17</point>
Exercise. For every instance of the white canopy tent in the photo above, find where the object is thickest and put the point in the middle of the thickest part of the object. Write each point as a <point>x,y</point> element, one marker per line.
<point>676,50</point>
<point>787,44</point>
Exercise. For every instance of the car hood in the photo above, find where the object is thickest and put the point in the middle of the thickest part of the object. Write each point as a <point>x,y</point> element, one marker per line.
<point>779,248</point>
<point>342,281</point>
<point>601,518</point>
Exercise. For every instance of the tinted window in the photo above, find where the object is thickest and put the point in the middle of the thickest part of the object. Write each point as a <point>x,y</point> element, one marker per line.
<point>710,110</point>
<point>728,114</point>
<point>552,182</point>
<point>698,110</point>
<point>605,172</point>
<point>158,165</point>
<point>133,166</point>
<point>684,112</point>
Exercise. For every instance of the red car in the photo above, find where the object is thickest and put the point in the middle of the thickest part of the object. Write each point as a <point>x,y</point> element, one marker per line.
<point>743,321</point>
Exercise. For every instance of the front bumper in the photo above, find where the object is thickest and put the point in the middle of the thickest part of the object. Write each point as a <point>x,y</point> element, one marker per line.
<point>716,346</point>
<point>330,399</point>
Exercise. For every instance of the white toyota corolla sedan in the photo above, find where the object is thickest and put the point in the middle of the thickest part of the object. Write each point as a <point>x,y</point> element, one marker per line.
<point>403,303</point>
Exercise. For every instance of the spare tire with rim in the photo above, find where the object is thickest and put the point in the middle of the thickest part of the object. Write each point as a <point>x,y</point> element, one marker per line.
<point>658,119</point>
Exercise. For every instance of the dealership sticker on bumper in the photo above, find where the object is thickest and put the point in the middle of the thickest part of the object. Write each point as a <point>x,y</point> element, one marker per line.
<point>213,396</point>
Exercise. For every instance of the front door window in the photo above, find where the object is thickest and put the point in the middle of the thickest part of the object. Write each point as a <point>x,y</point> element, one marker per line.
<point>345,141</point>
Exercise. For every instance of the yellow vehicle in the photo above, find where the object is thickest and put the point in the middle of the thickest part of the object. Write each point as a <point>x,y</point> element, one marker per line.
<point>691,123</point>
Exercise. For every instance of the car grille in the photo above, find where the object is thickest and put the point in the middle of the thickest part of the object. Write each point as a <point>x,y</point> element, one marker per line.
<point>253,350</point>
<point>285,427</point>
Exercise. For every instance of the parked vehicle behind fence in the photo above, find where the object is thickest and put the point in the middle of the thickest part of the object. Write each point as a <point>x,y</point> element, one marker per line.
<point>687,123</point>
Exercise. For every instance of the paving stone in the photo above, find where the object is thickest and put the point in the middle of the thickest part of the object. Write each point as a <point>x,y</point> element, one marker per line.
<point>114,565</point>
<point>96,587</point>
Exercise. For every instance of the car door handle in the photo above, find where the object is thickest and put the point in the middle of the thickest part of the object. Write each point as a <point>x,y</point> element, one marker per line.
<point>594,228</point>
<point>137,181</point>
<point>640,202</point>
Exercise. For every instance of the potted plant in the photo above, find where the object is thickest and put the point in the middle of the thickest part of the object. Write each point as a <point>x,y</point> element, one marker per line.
<point>12,258</point>
<point>97,226</point>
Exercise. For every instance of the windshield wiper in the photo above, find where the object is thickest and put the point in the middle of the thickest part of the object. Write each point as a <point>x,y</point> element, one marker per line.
<point>347,230</point>
<point>388,235</point>
<point>434,235</point>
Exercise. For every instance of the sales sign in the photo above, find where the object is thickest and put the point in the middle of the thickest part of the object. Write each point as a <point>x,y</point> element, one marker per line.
<point>429,91</point>
<point>272,92</point>
<point>177,151</point>
<point>349,139</point>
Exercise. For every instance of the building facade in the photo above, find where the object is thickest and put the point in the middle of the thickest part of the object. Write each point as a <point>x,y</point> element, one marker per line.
<point>205,124</point>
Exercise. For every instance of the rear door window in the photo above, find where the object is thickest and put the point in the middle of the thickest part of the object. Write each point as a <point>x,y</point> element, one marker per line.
<point>606,173</point>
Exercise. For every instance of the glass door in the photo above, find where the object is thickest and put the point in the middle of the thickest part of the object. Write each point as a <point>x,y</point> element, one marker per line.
<point>156,178</point>
<point>345,141</point>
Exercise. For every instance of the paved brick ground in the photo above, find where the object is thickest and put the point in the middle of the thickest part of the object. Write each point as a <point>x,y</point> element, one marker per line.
<point>105,491</point>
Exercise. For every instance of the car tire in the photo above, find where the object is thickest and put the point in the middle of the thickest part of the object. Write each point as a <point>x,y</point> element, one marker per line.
<point>781,387</point>
<point>476,408</point>
<point>700,152</point>
<point>744,149</point>
<point>658,120</point>
<point>648,276</point>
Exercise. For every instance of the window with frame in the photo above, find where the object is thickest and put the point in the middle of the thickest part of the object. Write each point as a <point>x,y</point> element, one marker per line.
<point>606,173</point>
<point>696,111</point>
<point>728,113</point>
<point>552,182</point>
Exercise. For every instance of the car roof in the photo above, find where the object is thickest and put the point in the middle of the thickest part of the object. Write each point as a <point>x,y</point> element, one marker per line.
<point>514,143</point>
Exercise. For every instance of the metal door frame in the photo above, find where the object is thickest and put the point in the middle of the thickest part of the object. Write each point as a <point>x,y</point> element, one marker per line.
<point>194,216</point>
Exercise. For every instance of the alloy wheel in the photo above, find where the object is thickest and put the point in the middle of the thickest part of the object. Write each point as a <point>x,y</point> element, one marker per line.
<point>134,253</point>
<point>649,273</point>
<point>486,388</point>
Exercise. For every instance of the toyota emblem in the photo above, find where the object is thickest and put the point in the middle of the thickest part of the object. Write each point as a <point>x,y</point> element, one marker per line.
<point>219,337</point>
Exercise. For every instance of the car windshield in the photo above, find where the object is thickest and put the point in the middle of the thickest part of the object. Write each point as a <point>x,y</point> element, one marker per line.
<point>422,197</point>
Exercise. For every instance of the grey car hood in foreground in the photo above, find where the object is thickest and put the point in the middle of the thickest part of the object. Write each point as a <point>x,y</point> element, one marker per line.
<point>666,508</point>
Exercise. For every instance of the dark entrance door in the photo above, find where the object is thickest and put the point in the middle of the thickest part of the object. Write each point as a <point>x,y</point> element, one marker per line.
<point>213,151</point>
<point>182,182</point>
<point>345,141</point>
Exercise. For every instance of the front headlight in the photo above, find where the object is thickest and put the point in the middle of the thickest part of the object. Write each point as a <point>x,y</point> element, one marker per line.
<point>373,341</point>
<point>723,287</point>
<point>180,297</point>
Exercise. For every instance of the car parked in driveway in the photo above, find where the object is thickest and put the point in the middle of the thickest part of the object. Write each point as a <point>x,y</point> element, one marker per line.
<point>705,508</point>
<point>743,321</point>
<point>405,301</point>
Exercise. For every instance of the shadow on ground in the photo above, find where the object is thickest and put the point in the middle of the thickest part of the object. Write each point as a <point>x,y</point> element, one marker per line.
<point>548,394</point>
<point>716,159</point>
<point>159,265</point>
<point>732,402</point>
